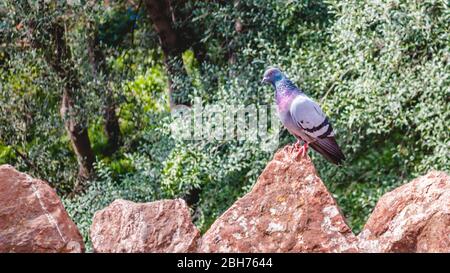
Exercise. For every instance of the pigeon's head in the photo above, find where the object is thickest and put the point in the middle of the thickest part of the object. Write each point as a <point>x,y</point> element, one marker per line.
<point>272,75</point>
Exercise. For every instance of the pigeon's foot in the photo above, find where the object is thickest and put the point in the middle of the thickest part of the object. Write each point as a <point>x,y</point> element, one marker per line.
<point>305,148</point>
<point>296,146</point>
<point>287,149</point>
<point>298,154</point>
<point>292,148</point>
<point>300,150</point>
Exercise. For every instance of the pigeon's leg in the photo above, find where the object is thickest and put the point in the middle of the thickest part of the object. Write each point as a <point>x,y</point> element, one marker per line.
<point>296,146</point>
<point>299,149</point>
<point>305,149</point>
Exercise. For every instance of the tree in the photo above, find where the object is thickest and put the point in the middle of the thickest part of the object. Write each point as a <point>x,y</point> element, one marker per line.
<point>172,43</point>
<point>58,56</point>
<point>99,68</point>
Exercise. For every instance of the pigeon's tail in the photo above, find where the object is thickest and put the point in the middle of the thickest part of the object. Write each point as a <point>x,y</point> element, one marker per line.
<point>329,148</point>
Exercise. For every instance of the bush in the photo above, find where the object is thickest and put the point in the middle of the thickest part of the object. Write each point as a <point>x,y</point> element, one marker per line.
<point>380,71</point>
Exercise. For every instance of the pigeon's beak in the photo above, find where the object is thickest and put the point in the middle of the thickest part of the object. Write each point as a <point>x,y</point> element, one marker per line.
<point>264,80</point>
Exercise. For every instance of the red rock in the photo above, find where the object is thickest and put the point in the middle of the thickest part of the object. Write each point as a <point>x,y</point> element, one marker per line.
<point>289,209</point>
<point>32,217</point>
<point>412,218</point>
<point>161,226</point>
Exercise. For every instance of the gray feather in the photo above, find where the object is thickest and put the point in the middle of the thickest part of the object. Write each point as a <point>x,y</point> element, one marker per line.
<point>329,148</point>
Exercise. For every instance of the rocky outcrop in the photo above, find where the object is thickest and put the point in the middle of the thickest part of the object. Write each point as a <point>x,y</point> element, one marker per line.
<point>32,217</point>
<point>161,226</point>
<point>288,210</point>
<point>412,218</point>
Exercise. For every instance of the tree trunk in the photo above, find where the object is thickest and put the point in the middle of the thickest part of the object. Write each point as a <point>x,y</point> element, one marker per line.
<point>172,44</point>
<point>78,132</point>
<point>111,126</point>
<point>57,55</point>
<point>79,138</point>
<point>190,34</point>
<point>98,62</point>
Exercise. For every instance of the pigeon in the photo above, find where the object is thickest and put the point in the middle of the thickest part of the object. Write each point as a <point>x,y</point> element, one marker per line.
<point>303,118</point>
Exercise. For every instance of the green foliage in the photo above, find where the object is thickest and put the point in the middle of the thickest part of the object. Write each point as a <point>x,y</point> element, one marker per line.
<point>387,78</point>
<point>30,92</point>
<point>135,177</point>
<point>6,154</point>
<point>100,194</point>
<point>379,69</point>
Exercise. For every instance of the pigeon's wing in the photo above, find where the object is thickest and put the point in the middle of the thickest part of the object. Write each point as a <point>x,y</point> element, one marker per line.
<point>311,120</point>
<point>329,148</point>
<point>308,116</point>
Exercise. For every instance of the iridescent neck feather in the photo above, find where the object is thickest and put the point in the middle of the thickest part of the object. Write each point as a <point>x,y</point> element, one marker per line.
<point>284,89</point>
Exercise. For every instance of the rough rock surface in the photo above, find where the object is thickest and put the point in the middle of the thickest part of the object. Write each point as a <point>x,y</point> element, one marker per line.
<point>161,226</point>
<point>288,210</point>
<point>32,217</point>
<point>414,217</point>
